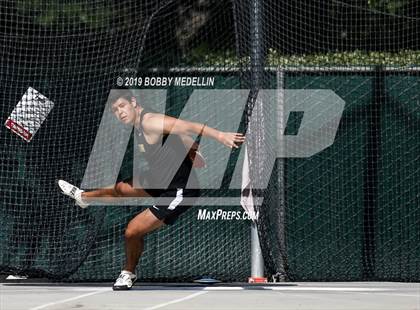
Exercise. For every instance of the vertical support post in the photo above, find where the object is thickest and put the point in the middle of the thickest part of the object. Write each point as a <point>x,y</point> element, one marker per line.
<point>281,274</point>
<point>371,174</point>
<point>257,69</point>
<point>257,262</point>
<point>256,43</point>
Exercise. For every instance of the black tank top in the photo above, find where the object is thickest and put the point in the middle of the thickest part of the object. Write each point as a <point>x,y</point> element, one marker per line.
<point>169,164</point>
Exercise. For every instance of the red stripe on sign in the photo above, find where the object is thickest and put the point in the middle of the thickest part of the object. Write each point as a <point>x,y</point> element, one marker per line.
<point>19,130</point>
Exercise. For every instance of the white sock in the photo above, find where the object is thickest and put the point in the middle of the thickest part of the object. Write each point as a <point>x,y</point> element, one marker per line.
<point>128,272</point>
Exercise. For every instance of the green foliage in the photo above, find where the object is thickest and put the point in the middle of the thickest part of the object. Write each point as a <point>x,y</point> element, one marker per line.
<point>388,6</point>
<point>354,58</point>
<point>52,13</point>
<point>403,58</point>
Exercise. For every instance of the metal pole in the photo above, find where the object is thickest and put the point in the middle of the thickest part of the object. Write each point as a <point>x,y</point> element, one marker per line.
<point>257,262</point>
<point>257,66</point>
<point>281,180</point>
<point>256,43</point>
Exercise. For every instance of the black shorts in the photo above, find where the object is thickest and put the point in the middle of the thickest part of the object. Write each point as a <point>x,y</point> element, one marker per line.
<point>171,203</point>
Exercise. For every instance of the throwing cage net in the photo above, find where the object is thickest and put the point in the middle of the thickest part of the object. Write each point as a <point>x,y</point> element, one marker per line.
<point>347,212</point>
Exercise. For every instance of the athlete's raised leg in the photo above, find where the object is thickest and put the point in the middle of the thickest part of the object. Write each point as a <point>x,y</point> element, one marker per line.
<point>121,189</point>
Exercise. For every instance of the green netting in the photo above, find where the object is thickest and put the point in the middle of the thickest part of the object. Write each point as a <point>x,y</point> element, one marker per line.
<point>324,193</point>
<point>340,219</point>
<point>397,236</point>
<point>73,53</point>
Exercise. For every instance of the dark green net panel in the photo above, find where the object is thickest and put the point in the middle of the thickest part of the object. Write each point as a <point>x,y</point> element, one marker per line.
<point>73,53</point>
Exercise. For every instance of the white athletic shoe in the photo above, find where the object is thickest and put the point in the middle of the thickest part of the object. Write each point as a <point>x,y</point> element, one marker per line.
<point>73,192</point>
<point>16,277</point>
<point>125,281</point>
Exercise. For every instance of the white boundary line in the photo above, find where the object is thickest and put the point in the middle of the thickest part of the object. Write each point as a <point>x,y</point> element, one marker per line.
<point>342,289</point>
<point>66,300</point>
<point>397,294</point>
<point>298,288</point>
<point>221,288</point>
<point>176,300</point>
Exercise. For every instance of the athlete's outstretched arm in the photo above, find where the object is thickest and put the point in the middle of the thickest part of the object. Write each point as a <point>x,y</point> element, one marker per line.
<point>160,123</point>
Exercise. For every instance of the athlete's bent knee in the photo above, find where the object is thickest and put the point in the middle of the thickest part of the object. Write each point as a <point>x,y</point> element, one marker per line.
<point>132,234</point>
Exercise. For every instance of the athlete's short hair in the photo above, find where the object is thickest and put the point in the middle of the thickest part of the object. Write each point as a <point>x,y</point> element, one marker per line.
<point>120,93</point>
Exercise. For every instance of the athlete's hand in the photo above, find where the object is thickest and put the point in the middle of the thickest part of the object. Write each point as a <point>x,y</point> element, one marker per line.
<point>231,139</point>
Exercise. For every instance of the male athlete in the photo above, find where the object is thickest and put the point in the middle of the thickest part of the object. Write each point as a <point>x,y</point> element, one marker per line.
<point>169,151</point>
